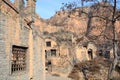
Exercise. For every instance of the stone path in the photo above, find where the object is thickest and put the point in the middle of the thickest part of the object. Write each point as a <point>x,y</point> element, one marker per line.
<point>50,77</point>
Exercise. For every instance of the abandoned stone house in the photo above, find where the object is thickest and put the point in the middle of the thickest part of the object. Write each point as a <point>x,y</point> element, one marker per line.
<point>21,47</point>
<point>89,52</point>
<point>57,58</point>
<point>53,51</point>
<point>51,48</point>
<point>60,58</point>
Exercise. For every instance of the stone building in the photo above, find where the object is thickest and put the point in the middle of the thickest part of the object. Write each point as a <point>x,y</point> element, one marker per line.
<point>21,46</point>
<point>80,52</point>
<point>87,52</point>
<point>57,54</point>
<point>51,49</point>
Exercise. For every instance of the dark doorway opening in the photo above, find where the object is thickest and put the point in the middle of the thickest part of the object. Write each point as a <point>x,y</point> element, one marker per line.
<point>90,53</point>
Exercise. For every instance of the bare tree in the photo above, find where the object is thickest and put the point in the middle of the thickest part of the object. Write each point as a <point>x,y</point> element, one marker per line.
<point>115,46</point>
<point>111,8</point>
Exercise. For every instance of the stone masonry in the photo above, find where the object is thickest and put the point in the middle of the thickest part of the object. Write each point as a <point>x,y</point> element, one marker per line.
<point>17,28</point>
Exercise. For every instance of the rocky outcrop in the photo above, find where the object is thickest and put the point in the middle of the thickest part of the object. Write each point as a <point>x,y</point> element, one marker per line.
<point>97,29</point>
<point>71,22</point>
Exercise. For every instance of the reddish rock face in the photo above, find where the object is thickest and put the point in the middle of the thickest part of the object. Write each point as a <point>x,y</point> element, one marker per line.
<point>99,29</point>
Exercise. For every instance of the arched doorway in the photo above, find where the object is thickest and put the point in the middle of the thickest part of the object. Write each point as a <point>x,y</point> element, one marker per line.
<point>90,54</point>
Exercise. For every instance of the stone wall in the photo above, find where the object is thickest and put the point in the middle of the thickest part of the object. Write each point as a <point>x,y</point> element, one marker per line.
<point>4,69</point>
<point>15,31</point>
<point>38,57</point>
<point>81,53</point>
<point>11,32</point>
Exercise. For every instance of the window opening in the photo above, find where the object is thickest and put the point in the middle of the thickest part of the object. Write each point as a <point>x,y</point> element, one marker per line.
<point>100,53</point>
<point>48,44</point>
<point>46,54</point>
<point>107,54</point>
<point>18,58</point>
<point>53,52</point>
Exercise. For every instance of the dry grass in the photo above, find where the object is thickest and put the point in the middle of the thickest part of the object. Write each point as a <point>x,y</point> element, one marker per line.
<point>91,68</point>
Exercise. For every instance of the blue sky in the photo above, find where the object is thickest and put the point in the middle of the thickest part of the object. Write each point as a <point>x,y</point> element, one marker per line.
<point>47,8</point>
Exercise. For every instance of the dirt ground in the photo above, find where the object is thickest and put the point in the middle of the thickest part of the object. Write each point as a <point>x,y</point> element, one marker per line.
<point>51,77</point>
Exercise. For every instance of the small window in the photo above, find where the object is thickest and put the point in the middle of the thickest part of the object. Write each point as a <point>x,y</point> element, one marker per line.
<point>107,54</point>
<point>100,53</point>
<point>48,44</point>
<point>18,58</point>
<point>46,54</point>
<point>53,52</point>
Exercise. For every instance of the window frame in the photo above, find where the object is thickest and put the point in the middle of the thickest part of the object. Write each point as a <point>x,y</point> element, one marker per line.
<point>48,43</point>
<point>53,52</point>
<point>18,59</point>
